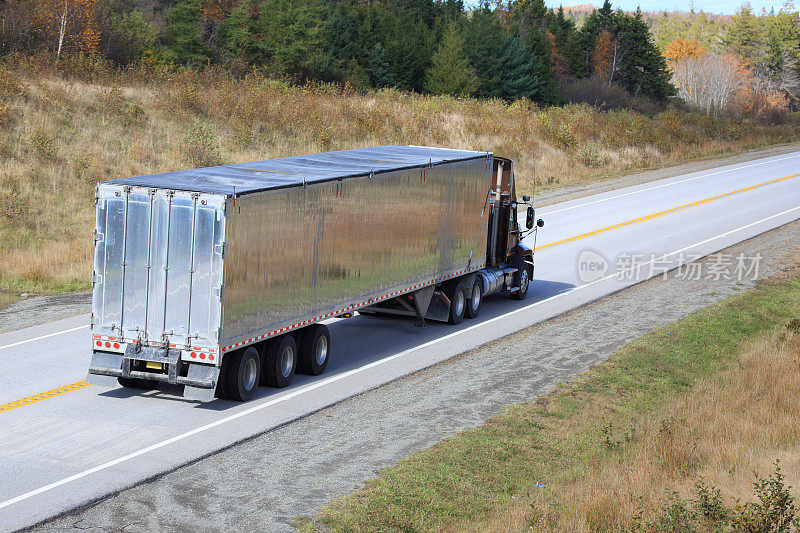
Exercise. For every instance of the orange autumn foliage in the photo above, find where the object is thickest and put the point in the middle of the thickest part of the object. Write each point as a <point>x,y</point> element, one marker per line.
<point>559,63</point>
<point>68,25</point>
<point>681,49</point>
<point>603,56</point>
<point>216,10</point>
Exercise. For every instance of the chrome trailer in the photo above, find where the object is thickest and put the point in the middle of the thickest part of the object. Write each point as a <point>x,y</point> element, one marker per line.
<point>218,278</point>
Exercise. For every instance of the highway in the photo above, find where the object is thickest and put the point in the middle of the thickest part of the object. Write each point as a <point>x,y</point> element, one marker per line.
<point>64,444</point>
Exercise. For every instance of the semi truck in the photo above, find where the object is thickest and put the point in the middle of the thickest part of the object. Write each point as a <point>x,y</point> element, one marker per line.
<point>220,279</point>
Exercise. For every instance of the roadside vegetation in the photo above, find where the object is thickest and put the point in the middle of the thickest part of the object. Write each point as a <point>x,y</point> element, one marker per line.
<point>691,428</point>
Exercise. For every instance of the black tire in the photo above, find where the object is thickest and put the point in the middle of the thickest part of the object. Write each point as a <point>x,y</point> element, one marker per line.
<point>314,350</point>
<point>475,298</point>
<point>280,361</point>
<point>458,304</point>
<point>522,280</point>
<point>136,383</point>
<point>242,371</point>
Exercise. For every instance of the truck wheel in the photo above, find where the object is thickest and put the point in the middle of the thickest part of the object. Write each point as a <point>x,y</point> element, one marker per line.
<point>242,374</point>
<point>135,383</point>
<point>314,350</point>
<point>475,298</point>
<point>279,362</point>
<point>458,304</point>
<point>523,279</point>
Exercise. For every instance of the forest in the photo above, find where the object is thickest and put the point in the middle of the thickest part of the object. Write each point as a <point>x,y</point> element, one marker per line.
<point>518,49</point>
<point>508,49</point>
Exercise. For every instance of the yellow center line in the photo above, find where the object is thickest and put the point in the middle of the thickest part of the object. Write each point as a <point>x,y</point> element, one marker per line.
<point>81,384</point>
<point>661,213</point>
<point>43,396</point>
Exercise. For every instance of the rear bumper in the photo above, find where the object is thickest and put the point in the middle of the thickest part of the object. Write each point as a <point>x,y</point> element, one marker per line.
<point>200,380</point>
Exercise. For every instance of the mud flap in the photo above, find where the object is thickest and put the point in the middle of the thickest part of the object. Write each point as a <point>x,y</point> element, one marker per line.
<point>203,373</point>
<point>103,361</point>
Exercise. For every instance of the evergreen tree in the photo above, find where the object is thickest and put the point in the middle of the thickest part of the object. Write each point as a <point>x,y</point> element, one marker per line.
<point>378,69</point>
<point>183,35</point>
<point>234,32</point>
<point>517,77</point>
<point>642,69</point>
<point>743,36</point>
<point>450,72</point>
<point>288,36</point>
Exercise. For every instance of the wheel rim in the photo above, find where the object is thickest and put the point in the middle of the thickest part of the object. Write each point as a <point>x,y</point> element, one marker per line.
<point>459,303</point>
<point>476,297</point>
<point>250,374</point>
<point>321,350</point>
<point>523,286</point>
<point>287,361</point>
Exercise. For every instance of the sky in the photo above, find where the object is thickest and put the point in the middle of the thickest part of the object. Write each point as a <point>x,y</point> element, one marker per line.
<point>709,6</point>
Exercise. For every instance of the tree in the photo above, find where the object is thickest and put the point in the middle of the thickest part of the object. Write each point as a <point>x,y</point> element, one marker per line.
<point>743,36</point>
<point>604,57</point>
<point>234,32</point>
<point>682,49</point>
<point>450,72</point>
<point>642,69</point>
<point>68,25</point>
<point>128,36</point>
<point>288,37</point>
<point>709,82</point>
<point>183,34</point>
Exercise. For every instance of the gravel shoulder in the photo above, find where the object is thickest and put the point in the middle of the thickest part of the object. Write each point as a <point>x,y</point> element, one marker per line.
<point>296,469</point>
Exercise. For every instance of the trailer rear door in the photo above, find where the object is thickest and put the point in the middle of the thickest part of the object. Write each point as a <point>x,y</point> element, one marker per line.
<point>158,265</point>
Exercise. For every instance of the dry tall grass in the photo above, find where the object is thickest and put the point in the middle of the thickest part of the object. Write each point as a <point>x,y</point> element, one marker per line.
<point>724,430</point>
<point>59,136</point>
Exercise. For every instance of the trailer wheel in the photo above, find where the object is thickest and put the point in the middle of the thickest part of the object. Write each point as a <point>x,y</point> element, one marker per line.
<point>475,298</point>
<point>279,362</point>
<point>523,281</point>
<point>314,350</point>
<point>242,374</point>
<point>458,304</point>
<point>135,383</point>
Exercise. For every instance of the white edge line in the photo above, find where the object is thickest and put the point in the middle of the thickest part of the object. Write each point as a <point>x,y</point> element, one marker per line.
<point>349,373</point>
<point>548,213</point>
<point>43,337</point>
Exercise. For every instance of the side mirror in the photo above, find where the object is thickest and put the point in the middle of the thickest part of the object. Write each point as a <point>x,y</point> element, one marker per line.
<point>529,219</point>
<point>526,199</point>
<point>540,223</point>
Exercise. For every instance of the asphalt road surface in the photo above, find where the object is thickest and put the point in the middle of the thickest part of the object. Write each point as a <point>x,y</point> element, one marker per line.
<point>64,444</point>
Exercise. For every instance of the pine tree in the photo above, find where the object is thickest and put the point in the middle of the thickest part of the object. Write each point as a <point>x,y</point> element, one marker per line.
<point>234,32</point>
<point>517,77</point>
<point>450,72</point>
<point>183,33</point>
<point>743,36</point>
<point>642,68</point>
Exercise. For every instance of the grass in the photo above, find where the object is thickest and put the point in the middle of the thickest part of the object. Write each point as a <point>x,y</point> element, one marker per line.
<point>61,133</point>
<point>699,406</point>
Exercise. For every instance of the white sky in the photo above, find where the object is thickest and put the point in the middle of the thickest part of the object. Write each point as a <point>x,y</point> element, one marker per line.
<point>709,6</point>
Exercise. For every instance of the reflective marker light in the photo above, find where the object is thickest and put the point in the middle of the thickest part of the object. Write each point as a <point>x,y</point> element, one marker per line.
<point>202,355</point>
<point>108,344</point>
<point>211,357</point>
<point>116,346</point>
<point>194,355</point>
<point>99,343</point>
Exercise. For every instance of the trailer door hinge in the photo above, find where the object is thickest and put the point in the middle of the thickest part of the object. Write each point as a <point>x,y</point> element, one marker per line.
<point>219,249</point>
<point>98,237</point>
